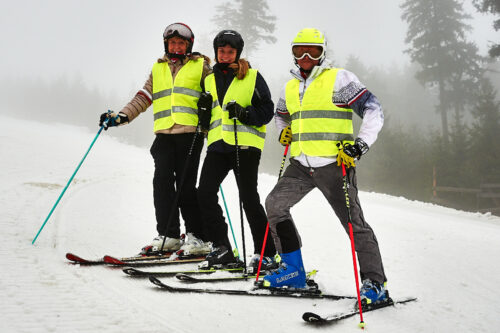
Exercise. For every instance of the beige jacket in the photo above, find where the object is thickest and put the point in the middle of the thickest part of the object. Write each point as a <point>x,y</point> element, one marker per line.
<point>143,99</point>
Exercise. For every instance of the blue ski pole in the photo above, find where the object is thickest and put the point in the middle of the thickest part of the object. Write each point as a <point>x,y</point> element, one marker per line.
<point>70,180</point>
<point>230,224</point>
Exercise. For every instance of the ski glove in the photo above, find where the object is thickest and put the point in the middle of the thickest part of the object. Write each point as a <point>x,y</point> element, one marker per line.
<point>205,110</point>
<point>237,111</point>
<point>286,136</point>
<point>114,119</point>
<point>347,152</point>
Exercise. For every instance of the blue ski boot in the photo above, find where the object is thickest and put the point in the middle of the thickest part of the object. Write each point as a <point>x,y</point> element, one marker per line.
<point>289,274</point>
<point>373,292</point>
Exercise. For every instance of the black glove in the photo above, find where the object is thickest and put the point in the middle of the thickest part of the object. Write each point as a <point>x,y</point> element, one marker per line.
<point>205,110</point>
<point>114,119</point>
<point>237,111</point>
<point>349,152</point>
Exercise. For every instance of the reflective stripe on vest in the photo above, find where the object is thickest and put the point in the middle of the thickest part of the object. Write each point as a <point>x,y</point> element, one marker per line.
<point>317,124</point>
<point>221,127</point>
<point>175,102</point>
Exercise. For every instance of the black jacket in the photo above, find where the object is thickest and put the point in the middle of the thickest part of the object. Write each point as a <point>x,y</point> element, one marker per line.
<point>260,112</point>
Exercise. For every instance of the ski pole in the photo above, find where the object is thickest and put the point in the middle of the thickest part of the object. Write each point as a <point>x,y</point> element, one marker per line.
<point>70,180</point>
<point>267,227</point>
<point>229,219</point>
<point>179,185</point>
<point>238,181</point>
<point>353,248</point>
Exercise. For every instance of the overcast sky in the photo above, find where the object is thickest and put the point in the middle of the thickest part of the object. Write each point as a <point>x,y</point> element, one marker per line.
<point>112,44</point>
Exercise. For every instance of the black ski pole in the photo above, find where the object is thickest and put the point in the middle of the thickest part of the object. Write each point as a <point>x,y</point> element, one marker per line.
<point>179,185</point>
<point>238,179</point>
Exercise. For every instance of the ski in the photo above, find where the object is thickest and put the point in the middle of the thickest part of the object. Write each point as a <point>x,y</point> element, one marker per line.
<point>153,261</point>
<point>79,260</point>
<point>245,276</point>
<point>192,279</point>
<point>259,291</point>
<point>140,273</point>
<point>113,260</point>
<point>316,319</point>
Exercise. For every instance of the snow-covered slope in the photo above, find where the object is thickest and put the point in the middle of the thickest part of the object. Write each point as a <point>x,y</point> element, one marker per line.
<point>446,258</point>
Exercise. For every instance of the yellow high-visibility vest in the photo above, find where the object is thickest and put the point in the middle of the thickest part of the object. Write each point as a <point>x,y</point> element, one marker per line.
<point>317,123</point>
<point>175,102</point>
<point>221,127</point>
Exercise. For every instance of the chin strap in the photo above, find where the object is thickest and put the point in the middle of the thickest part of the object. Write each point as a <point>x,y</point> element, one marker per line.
<point>175,56</point>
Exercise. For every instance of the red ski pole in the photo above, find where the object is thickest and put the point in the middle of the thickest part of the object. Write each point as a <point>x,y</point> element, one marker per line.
<point>267,227</point>
<point>353,248</point>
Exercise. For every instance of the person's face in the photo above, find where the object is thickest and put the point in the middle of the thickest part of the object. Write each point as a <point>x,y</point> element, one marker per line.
<point>177,45</point>
<point>306,62</point>
<point>226,54</point>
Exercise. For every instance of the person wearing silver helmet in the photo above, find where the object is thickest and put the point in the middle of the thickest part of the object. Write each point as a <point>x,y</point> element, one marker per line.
<point>173,88</point>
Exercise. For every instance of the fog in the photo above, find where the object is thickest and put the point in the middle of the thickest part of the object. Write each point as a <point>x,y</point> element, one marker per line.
<point>69,61</point>
<point>112,44</point>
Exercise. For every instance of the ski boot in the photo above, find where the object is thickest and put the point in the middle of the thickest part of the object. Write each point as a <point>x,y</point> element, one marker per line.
<point>195,246</point>
<point>268,264</point>
<point>373,293</point>
<point>220,257</point>
<point>289,274</point>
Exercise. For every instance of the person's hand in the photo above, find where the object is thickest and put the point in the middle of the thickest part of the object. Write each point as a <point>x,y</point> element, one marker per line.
<point>113,119</point>
<point>205,110</point>
<point>237,111</point>
<point>286,136</point>
<point>347,152</point>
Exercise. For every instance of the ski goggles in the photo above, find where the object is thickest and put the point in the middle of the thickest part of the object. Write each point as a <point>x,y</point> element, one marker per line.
<point>179,30</point>
<point>314,52</point>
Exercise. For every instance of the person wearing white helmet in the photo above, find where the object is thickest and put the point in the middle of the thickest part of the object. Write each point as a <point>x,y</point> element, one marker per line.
<point>314,114</point>
<point>173,88</point>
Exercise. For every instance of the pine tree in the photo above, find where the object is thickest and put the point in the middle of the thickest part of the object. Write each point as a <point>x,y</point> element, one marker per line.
<point>437,36</point>
<point>250,18</point>
<point>485,135</point>
<point>493,7</point>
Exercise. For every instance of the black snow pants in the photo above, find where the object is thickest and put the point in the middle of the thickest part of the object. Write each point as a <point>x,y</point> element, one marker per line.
<point>170,154</point>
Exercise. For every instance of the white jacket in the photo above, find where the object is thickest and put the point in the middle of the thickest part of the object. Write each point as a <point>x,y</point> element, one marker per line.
<point>348,92</point>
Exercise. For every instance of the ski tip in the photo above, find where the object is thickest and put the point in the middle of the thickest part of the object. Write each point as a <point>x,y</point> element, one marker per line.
<point>131,271</point>
<point>113,261</point>
<point>155,281</point>
<point>311,317</point>
<point>74,258</point>
<point>184,277</point>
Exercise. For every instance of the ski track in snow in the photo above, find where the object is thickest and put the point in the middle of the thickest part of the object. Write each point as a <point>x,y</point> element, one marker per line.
<point>442,256</point>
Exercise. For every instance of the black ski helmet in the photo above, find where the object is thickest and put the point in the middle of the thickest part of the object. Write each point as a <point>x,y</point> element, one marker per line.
<point>180,30</point>
<point>231,38</point>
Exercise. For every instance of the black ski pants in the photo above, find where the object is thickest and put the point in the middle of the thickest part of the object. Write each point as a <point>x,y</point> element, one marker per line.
<point>296,182</point>
<point>171,153</point>
<point>215,168</point>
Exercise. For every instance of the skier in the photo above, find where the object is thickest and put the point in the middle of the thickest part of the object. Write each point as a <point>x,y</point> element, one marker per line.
<point>237,91</point>
<point>314,114</point>
<point>173,87</point>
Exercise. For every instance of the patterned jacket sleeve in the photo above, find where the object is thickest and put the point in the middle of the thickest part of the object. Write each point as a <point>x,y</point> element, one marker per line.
<point>349,92</point>
<point>282,117</point>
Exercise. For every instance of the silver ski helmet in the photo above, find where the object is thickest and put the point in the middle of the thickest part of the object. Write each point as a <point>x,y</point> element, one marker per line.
<point>180,30</point>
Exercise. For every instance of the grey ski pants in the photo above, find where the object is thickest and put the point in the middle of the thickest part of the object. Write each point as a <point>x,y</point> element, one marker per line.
<point>296,182</point>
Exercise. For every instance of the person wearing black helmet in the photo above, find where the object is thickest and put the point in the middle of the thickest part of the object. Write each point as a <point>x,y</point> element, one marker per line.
<point>238,92</point>
<point>173,87</point>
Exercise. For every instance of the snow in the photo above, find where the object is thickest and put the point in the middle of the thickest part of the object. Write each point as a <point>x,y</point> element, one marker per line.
<point>446,258</point>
